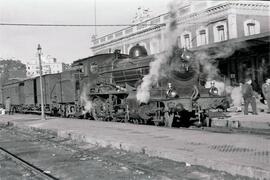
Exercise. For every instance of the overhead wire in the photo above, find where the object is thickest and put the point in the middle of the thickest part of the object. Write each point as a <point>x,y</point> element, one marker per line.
<point>72,25</point>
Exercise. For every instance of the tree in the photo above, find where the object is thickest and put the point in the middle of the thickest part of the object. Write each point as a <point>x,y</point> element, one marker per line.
<point>11,69</point>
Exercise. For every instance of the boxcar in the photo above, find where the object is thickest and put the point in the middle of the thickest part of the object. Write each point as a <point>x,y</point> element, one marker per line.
<point>29,92</point>
<point>13,91</point>
<point>50,88</point>
<point>67,86</point>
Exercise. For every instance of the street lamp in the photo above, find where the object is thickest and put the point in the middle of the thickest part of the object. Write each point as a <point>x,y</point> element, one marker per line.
<point>40,81</point>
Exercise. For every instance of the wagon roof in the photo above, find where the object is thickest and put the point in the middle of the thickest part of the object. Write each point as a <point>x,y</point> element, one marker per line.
<point>92,58</point>
<point>89,58</point>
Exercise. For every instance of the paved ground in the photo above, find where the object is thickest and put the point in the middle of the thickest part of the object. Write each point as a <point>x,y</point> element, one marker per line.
<point>65,159</point>
<point>243,154</point>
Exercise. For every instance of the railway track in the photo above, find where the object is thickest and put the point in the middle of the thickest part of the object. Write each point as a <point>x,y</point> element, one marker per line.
<point>37,171</point>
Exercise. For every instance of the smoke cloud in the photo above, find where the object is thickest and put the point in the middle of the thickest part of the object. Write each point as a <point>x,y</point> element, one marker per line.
<point>236,95</point>
<point>207,58</point>
<point>85,102</point>
<point>143,91</point>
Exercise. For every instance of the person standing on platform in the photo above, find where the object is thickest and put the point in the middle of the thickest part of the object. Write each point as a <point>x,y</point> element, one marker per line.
<point>249,97</point>
<point>8,105</point>
<point>266,92</point>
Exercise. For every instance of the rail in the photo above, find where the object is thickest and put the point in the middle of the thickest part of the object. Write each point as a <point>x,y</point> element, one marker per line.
<point>27,165</point>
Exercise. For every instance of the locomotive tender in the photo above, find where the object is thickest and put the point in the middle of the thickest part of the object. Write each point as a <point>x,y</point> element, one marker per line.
<point>104,87</point>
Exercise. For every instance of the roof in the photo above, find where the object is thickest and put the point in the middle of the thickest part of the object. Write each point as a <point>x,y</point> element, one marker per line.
<point>77,62</point>
<point>12,82</point>
<point>91,57</point>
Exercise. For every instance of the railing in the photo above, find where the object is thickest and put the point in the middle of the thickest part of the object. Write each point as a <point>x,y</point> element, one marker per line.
<point>136,28</point>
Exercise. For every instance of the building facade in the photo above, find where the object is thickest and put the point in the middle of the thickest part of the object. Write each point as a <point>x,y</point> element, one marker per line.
<point>49,66</point>
<point>202,25</point>
<point>199,23</point>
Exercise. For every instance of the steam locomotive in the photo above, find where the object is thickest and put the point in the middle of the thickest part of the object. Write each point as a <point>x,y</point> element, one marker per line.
<point>105,87</point>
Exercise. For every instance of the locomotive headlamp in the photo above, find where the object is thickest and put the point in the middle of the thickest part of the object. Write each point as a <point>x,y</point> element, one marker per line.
<point>173,94</point>
<point>186,56</point>
<point>171,91</point>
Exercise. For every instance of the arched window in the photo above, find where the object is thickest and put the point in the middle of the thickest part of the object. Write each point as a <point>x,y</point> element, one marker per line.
<point>202,36</point>
<point>220,32</point>
<point>186,40</point>
<point>251,27</point>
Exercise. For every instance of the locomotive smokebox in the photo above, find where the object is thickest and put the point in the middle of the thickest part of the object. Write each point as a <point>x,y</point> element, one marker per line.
<point>182,65</point>
<point>182,70</point>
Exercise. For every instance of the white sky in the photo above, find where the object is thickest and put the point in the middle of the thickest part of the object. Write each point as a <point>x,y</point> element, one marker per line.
<point>65,43</point>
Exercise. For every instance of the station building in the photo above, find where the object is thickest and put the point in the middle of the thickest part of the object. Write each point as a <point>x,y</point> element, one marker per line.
<point>206,25</point>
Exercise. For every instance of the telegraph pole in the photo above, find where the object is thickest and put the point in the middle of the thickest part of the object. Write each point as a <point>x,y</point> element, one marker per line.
<point>40,81</point>
<point>95,16</point>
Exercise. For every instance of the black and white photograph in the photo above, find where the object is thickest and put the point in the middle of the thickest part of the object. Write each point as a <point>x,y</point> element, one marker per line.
<point>134,90</point>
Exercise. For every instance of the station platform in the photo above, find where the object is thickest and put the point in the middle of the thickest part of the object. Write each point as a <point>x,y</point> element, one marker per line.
<point>239,120</point>
<point>242,154</point>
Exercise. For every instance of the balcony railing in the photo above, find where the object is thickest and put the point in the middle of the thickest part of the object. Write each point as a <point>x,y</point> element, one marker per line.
<point>127,31</point>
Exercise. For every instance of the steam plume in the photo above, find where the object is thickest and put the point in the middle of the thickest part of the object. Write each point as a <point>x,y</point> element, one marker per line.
<point>143,91</point>
<point>236,95</point>
<point>208,57</point>
<point>85,100</point>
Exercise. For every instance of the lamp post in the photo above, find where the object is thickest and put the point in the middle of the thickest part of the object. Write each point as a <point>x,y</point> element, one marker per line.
<point>40,82</point>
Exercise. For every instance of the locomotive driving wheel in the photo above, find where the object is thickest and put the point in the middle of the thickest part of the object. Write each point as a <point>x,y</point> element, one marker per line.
<point>142,111</point>
<point>147,111</point>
